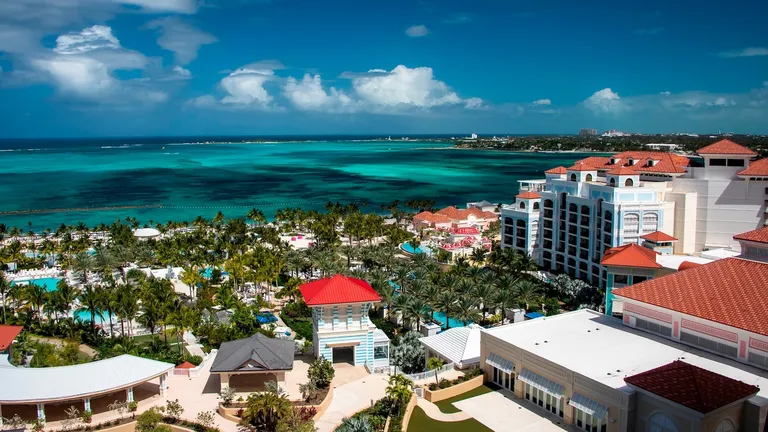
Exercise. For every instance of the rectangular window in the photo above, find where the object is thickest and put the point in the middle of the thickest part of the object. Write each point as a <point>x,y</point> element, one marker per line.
<point>620,279</point>
<point>638,279</point>
<point>706,343</point>
<point>653,327</point>
<point>380,352</point>
<point>758,360</point>
<point>736,162</point>
<point>717,162</point>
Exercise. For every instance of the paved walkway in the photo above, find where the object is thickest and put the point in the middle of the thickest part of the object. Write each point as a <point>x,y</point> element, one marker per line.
<point>350,398</point>
<point>500,411</point>
<point>433,412</point>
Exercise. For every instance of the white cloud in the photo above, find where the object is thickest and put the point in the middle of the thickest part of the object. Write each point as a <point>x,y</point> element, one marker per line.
<point>665,93</point>
<point>88,39</point>
<point>182,71</point>
<point>746,52</point>
<point>308,94</point>
<point>605,101</point>
<point>542,102</point>
<point>474,103</point>
<point>246,87</point>
<point>181,38</point>
<point>203,101</point>
<point>417,31</point>
<point>177,6</point>
<point>404,86</point>
<point>721,101</point>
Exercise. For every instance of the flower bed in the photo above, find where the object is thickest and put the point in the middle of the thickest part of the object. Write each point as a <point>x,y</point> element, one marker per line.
<point>445,383</point>
<point>128,424</point>
<point>234,410</point>
<point>453,390</point>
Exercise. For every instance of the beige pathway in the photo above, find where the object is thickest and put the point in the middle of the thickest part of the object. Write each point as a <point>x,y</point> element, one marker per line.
<point>433,411</point>
<point>350,398</point>
<point>502,412</point>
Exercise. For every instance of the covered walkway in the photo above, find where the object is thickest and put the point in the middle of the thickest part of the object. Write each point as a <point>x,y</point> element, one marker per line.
<point>88,387</point>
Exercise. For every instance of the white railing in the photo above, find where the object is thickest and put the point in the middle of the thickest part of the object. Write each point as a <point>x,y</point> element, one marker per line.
<point>430,374</point>
<point>195,372</point>
<point>419,392</point>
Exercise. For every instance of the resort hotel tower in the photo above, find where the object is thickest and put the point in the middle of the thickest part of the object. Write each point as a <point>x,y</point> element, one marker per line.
<point>568,220</point>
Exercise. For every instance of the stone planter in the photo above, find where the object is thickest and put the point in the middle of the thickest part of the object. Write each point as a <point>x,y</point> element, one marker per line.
<point>455,390</point>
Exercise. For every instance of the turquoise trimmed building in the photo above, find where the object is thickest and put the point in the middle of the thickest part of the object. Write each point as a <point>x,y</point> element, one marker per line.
<point>342,331</point>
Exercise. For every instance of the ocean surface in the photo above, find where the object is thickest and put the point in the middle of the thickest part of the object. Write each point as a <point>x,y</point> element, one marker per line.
<point>189,178</point>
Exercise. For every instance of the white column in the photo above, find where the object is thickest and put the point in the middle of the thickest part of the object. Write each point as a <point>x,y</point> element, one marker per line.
<point>87,404</point>
<point>280,377</point>
<point>129,394</point>
<point>1,416</point>
<point>163,383</point>
<point>41,412</point>
<point>224,377</point>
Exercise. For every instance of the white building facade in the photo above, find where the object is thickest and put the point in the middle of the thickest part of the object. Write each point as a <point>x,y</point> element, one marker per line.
<point>603,202</point>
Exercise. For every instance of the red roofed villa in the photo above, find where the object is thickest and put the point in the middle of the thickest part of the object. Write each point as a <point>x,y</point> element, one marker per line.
<point>8,334</point>
<point>342,331</point>
<point>452,217</point>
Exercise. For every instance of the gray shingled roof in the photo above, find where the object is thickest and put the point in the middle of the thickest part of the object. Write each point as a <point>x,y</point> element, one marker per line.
<point>255,353</point>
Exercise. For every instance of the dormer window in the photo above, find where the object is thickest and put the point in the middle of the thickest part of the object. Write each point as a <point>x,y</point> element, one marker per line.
<point>614,161</point>
<point>652,162</point>
<point>631,162</point>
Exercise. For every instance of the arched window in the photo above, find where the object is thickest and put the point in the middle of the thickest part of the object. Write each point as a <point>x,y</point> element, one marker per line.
<point>522,204</point>
<point>508,221</point>
<point>650,222</point>
<point>548,204</point>
<point>629,182</point>
<point>573,208</point>
<point>608,216</point>
<point>613,181</point>
<point>585,210</point>
<point>631,223</point>
<point>573,177</point>
<point>589,177</point>
<point>521,223</point>
<point>536,205</point>
<point>661,422</point>
<point>726,426</point>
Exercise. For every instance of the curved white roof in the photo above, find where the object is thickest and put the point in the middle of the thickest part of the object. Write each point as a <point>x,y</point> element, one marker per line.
<point>32,385</point>
<point>461,345</point>
<point>146,232</point>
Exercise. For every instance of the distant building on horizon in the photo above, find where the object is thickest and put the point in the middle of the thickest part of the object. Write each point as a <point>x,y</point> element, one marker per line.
<point>610,133</point>
<point>663,147</point>
<point>588,132</point>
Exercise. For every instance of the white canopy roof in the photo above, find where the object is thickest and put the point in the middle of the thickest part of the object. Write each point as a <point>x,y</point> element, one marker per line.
<point>146,232</point>
<point>460,345</point>
<point>32,385</point>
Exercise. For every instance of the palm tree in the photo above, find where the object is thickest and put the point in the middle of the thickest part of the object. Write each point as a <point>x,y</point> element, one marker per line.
<point>90,301</point>
<point>181,320</point>
<point>416,309</point>
<point>257,216</point>
<point>399,390</point>
<point>66,295</point>
<point>446,303</point>
<point>402,276</point>
<point>478,256</point>
<point>36,295</point>
<point>84,263</point>
<point>466,310</point>
<point>483,293</point>
<point>527,292</point>
<point>127,306</point>
<point>5,287</point>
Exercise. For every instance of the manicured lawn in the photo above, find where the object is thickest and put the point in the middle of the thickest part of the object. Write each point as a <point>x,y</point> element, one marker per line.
<point>447,407</point>
<point>421,423</point>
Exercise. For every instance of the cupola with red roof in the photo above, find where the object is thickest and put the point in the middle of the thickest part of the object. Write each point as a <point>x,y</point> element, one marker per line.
<point>528,201</point>
<point>754,244</point>
<point>660,242</point>
<point>558,172</point>
<point>338,289</point>
<point>621,176</point>
<point>726,153</point>
<point>581,172</point>
<point>630,255</point>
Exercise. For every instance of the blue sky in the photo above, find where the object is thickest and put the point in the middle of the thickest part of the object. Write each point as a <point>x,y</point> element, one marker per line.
<point>197,67</point>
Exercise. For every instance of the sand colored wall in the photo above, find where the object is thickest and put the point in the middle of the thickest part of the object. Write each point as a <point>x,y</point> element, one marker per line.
<point>230,413</point>
<point>438,395</point>
<point>409,411</point>
<point>131,427</point>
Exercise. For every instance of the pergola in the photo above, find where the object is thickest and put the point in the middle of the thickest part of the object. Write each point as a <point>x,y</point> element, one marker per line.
<point>256,355</point>
<point>38,386</point>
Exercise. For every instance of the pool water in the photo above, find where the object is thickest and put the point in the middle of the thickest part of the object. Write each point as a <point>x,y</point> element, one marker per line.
<point>421,249</point>
<point>208,273</point>
<point>85,316</point>
<point>48,283</point>
<point>440,317</point>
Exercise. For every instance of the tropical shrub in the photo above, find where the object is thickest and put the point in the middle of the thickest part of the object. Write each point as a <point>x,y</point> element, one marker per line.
<point>321,373</point>
<point>408,353</point>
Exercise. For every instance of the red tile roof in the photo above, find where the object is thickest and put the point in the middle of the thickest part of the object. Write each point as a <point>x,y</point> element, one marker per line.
<point>630,255</point>
<point>658,236</point>
<point>186,365</point>
<point>620,170</point>
<point>529,195</point>
<point>432,217</point>
<point>580,166</point>
<point>665,162</point>
<point>685,265</point>
<point>691,386</point>
<point>756,168</point>
<point>757,236</point>
<point>556,170</point>
<point>338,289</point>
<point>465,231</point>
<point>7,334</point>
<point>730,291</point>
<point>457,215</point>
<point>725,146</point>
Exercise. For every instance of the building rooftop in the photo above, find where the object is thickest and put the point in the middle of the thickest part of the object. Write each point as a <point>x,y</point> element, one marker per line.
<point>756,168</point>
<point>644,161</point>
<point>574,340</point>
<point>658,236</point>
<point>691,386</point>
<point>630,255</point>
<point>338,289</point>
<point>685,265</point>
<point>725,147</point>
<point>30,385</point>
<point>730,291</point>
<point>556,170</point>
<point>432,217</point>
<point>580,166</point>
<point>7,334</point>
<point>459,344</point>
<point>674,262</point>
<point>757,236</point>
<point>256,353</point>
<point>456,214</point>
<point>620,171</point>
<point>528,195</point>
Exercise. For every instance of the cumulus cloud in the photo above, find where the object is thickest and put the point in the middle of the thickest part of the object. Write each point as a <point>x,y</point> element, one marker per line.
<point>605,101</point>
<point>746,52</point>
<point>542,102</point>
<point>417,31</point>
<point>88,39</point>
<point>246,87</point>
<point>474,103</point>
<point>403,86</point>
<point>308,94</point>
<point>181,38</point>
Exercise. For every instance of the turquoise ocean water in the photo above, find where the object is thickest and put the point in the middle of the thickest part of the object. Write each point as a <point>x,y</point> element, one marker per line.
<point>200,179</point>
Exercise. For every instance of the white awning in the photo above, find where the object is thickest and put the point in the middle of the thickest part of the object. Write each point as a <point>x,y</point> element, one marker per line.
<point>535,380</point>
<point>500,362</point>
<point>587,405</point>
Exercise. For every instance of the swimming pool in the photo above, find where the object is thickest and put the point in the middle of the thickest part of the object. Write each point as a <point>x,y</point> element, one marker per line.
<point>208,273</point>
<point>440,317</point>
<point>48,283</point>
<point>421,249</point>
<point>85,316</point>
